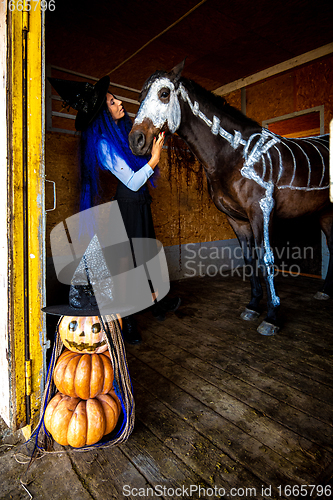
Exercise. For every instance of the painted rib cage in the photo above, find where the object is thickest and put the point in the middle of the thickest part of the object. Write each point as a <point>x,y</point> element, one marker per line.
<point>309,157</point>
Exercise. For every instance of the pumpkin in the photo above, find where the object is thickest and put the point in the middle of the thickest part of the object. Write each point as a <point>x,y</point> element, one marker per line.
<point>83,334</point>
<point>76,422</point>
<point>83,376</point>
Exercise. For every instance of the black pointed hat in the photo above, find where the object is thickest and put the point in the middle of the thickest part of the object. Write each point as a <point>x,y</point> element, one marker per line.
<point>85,97</point>
<point>91,271</point>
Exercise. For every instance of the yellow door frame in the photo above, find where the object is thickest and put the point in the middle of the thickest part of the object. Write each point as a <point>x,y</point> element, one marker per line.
<point>26,214</point>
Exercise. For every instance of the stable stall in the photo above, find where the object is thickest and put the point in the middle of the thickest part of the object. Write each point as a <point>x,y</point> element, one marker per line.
<point>217,404</point>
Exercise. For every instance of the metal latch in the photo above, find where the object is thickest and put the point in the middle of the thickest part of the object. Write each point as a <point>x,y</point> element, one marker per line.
<point>54,196</point>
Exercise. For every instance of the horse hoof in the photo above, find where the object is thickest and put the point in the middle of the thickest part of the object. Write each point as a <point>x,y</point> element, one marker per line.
<point>321,296</point>
<point>249,314</point>
<point>267,328</point>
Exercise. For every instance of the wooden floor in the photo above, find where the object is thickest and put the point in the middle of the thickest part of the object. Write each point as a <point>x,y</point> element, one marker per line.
<point>220,406</point>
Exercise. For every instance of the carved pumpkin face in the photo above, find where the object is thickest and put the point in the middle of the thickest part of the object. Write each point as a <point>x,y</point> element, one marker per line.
<point>83,334</point>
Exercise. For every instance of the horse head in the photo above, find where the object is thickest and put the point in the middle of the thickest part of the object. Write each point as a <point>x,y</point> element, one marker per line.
<point>159,109</point>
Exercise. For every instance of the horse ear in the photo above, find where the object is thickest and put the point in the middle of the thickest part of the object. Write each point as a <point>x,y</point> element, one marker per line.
<point>177,70</point>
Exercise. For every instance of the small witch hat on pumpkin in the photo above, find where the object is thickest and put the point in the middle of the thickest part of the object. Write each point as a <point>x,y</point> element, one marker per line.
<point>92,290</point>
<point>85,97</point>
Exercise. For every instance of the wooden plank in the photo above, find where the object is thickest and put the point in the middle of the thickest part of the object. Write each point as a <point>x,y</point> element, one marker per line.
<point>104,472</point>
<point>294,334</point>
<point>251,413</point>
<point>234,365</point>
<point>262,403</point>
<point>271,348</point>
<point>316,367</point>
<point>206,418</point>
<point>44,480</point>
<point>275,70</point>
<point>197,451</point>
<point>317,354</point>
<point>155,462</point>
<point>232,350</point>
<point>209,320</point>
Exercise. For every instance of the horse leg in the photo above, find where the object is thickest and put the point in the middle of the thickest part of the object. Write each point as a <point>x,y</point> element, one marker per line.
<point>326,223</point>
<point>261,221</point>
<point>245,237</point>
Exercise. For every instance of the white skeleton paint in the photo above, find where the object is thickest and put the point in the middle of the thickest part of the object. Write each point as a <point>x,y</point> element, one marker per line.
<point>261,143</point>
<point>157,111</point>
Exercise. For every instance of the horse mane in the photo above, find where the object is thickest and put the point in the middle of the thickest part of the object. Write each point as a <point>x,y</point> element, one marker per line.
<point>219,102</point>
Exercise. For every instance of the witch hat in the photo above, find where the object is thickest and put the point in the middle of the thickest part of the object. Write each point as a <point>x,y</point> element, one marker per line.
<point>85,97</point>
<point>92,288</point>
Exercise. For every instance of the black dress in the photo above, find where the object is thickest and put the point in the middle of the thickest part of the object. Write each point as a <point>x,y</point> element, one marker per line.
<point>135,210</point>
<point>136,213</point>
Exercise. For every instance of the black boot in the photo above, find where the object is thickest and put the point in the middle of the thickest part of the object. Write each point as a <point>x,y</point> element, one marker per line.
<point>165,305</point>
<point>130,331</point>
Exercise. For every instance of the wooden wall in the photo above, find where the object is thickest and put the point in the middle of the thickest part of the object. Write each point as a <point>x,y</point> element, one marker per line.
<point>301,88</point>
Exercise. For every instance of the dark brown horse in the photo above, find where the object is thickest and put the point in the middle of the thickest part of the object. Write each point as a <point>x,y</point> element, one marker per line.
<point>253,174</point>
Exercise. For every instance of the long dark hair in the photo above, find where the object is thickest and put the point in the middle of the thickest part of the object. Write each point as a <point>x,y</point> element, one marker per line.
<point>116,135</point>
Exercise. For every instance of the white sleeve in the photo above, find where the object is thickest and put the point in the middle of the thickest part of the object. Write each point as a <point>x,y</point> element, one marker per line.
<point>116,165</point>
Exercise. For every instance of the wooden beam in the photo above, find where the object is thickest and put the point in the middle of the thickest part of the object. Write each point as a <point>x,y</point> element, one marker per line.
<point>275,70</point>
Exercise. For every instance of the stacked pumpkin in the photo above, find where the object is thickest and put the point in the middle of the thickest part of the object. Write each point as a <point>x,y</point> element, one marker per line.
<point>86,407</point>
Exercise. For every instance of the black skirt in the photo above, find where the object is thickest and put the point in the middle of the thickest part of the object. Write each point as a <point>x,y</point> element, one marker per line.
<point>136,212</point>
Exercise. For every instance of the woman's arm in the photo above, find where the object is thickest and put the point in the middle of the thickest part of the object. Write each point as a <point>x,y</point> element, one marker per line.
<point>116,165</point>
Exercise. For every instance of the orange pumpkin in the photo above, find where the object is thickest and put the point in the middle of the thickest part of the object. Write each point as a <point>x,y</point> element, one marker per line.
<point>83,376</point>
<point>74,422</point>
<point>83,334</point>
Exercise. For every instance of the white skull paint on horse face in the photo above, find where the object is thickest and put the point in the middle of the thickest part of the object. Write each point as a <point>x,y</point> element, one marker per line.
<point>159,111</point>
<point>161,106</point>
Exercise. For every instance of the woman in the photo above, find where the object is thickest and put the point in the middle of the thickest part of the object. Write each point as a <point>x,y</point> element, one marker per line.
<point>104,145</point>
<point>105,126</point>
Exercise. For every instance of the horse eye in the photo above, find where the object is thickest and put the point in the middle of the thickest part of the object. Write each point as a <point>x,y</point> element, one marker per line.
<point>165,93</point>
<point>96,328</point>
<point>72,326</point>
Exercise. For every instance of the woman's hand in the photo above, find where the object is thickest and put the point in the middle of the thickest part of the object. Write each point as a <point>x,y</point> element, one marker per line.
<point>156,150</point>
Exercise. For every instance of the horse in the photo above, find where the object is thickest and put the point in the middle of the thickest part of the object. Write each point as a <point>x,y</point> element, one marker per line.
<point>253,175</point>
